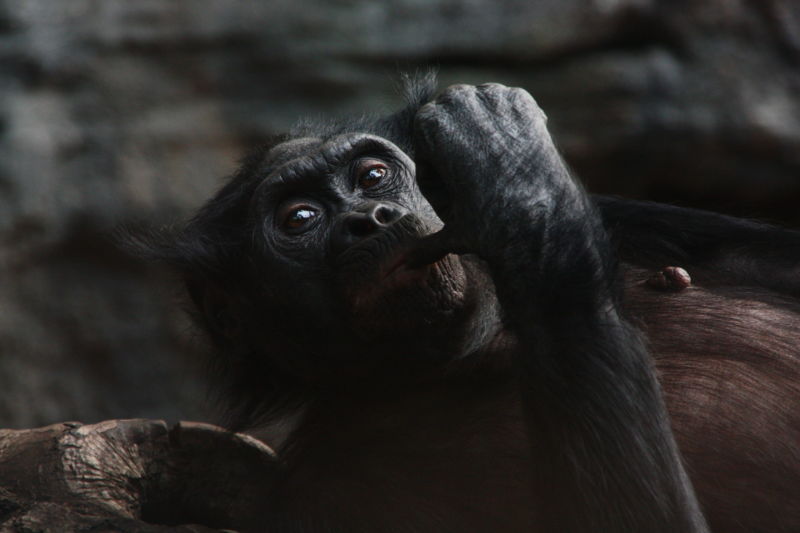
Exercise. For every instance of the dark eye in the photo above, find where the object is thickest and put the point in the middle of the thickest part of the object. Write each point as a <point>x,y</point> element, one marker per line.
<point>370,172</point>
<point>298,216</point>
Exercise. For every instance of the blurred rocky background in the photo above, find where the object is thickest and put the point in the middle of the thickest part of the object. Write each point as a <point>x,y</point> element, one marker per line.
<point>113,111</point>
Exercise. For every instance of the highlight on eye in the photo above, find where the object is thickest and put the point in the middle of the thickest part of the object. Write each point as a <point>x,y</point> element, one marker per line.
<point>297,217</point>
<point>370,172</point>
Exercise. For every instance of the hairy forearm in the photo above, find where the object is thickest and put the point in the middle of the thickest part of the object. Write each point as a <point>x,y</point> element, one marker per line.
<point>591,395</point>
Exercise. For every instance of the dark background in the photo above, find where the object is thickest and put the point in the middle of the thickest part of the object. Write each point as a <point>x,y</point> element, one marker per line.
<point>119,110</point>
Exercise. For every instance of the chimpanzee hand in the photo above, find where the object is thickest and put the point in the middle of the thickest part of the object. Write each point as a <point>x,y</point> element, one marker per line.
<point>484,159</point>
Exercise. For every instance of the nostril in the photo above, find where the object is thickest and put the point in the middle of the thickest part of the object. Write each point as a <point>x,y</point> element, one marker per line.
<point>385,214</point>
<point>357,225</point>
<point>366,220</point>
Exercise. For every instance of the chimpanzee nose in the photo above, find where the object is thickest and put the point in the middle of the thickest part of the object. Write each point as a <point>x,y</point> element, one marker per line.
<point>368,219</point>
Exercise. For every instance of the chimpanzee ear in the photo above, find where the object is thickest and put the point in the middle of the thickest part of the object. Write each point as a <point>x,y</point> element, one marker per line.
<point>218,315</point>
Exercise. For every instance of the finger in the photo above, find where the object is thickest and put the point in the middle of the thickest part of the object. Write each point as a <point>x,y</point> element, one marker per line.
<point>432,248</point>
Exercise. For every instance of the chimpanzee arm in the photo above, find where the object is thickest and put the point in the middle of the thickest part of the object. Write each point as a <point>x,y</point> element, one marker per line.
<point>730,249</point>
<point>604,455</point>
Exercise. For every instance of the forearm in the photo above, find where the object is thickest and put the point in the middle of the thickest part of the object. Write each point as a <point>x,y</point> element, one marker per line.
<point>605,458</point>
<point>591,393</point>
<point>550,261</point>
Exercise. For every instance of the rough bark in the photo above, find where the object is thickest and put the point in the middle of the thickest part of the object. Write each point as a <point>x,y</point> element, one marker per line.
<point>136,476</point>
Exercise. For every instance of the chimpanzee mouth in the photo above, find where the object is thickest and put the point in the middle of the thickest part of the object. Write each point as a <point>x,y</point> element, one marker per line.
<point>383,255</point>
<point>398,267</point>
<point>378,269</point>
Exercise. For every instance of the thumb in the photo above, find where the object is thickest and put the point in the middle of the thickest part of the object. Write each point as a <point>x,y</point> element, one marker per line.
<point>433,247</point>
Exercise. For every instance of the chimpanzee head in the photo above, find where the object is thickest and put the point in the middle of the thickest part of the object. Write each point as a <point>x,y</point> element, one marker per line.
<point>297,266</point>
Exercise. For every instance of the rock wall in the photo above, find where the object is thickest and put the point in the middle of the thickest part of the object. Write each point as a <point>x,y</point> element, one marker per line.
<point>113,111</point>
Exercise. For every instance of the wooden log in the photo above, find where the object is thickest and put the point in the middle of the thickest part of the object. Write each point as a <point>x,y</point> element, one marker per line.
<point>132,475</point>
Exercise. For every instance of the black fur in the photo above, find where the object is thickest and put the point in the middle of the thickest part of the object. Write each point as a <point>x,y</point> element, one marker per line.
<point>501,389</point>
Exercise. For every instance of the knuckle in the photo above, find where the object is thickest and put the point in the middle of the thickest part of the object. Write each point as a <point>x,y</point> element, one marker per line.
<point>456,93</point>
<point>426,112</point>
<point>460,88</point>
<point>497,96</point>
<point>521,94</point>
<point>518,91</point>
<point>429,115</point>
<point>492,87</point>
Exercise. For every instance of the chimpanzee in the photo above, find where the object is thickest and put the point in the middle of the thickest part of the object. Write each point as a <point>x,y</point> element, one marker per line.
<point>440,331</point>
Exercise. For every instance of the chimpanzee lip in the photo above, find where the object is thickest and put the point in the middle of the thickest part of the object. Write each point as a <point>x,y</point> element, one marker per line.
<point>399,262</point>
<point>397,271</point>
<point>386,251</point>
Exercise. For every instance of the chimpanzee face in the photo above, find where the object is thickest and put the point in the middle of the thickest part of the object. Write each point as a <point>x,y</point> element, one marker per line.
<point>333,221</point>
